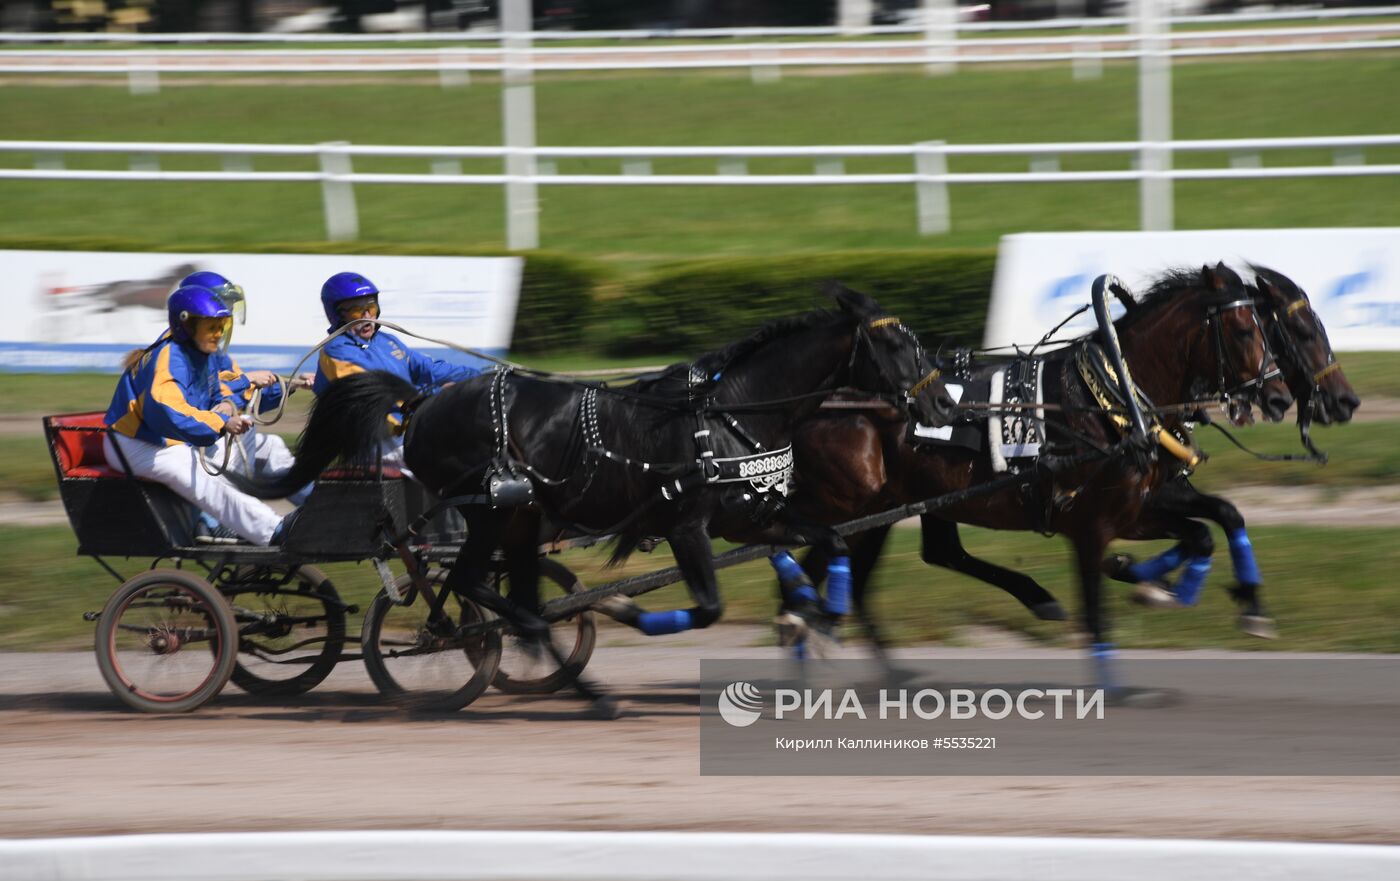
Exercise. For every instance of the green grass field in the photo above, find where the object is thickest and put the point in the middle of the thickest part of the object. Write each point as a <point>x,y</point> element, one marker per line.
<point>1299,96</point>
<point>1331,589</point>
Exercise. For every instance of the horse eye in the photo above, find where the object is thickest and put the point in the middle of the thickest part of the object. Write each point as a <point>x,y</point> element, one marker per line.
<point>1246,332</point>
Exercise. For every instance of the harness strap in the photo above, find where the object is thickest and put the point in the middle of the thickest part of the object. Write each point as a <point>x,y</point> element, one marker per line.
<point>929,379</point>
<point>1329,369</point>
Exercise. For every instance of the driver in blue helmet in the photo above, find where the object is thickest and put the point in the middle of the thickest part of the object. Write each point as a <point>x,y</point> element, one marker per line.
<point>169,401</point>
<point>349,298</point>
<point>236,381</point>
<point>266,452</point>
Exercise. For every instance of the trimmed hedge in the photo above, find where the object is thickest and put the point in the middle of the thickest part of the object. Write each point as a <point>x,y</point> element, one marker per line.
<point>700,305</point>
<point>570,303</point>
<point>556,290</point>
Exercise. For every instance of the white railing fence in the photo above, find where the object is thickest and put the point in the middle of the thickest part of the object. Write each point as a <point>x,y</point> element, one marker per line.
<point>677,856</point>
<point>928,164</point>
<point>648,35</point>
<point>1150,41</point>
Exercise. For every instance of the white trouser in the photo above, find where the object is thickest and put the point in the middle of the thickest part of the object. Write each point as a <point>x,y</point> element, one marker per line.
<point>271,458</point>
<point>178,467</point>
<point>269,455</point>
<point>391,455</point>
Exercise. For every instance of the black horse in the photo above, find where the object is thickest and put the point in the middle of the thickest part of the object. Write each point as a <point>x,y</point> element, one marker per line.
<point>1194,336</point>
<point>701,449</point>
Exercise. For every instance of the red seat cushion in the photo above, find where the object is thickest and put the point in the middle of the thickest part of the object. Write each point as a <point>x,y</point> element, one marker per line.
<point>87,471</point>
<point>79,447</point>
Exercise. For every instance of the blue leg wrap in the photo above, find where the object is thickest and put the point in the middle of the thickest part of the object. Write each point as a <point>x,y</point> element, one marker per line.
<point>805,592</point>
<point>1156,567</point>
<point>1242,555</point>
<point>1188,588</point>
<point>789,573</point>
<point>799,651</point>
<point>838,586</point>
<point>206,521</point>
<point>659,623</point>
<point>1104,654</point>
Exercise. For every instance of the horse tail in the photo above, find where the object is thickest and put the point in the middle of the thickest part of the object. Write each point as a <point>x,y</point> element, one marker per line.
<point>623,547</point>
<point>349,421</point>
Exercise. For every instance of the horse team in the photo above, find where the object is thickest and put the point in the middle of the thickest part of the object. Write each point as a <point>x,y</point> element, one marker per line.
<point>738,445</point>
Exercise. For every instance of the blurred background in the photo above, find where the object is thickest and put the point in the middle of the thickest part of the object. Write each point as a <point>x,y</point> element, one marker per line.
<point>628,275</point>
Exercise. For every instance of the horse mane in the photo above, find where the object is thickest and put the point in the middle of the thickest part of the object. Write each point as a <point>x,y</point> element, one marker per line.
<point>673,383</point>
<point>1165,289</point>
<point>722,359</point>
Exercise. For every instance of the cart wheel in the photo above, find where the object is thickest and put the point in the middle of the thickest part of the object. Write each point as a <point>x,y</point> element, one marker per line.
<point>290,637</point>
<point>525,668</point>
<point>165,642</point>
<point>422,663</point>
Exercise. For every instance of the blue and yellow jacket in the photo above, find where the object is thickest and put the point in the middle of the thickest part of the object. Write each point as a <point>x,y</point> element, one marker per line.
<point>168,396</point>
<point>347,354</point>
<point>236,386</point>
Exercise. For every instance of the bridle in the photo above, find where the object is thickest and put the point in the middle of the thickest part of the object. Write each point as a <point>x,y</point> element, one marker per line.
<point>1266,370</point>
<point>1294,352</point>
<point>906,396</point>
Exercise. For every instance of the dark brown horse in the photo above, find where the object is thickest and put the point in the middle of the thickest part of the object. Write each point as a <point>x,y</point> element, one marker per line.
<point>1317,383</point>
<point>1193,333</point>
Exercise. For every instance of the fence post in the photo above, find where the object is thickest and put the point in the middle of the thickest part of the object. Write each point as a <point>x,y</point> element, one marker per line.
<point>852,15</point>
<point>452,78</point>
<point>941,26</point>
<point>518,108</point>
<point>934,214</point>
<point>1154,115</point>
<point>1087,67</point>
<point>338,196</point>
<point>142,82</point>
<point>765,69</point>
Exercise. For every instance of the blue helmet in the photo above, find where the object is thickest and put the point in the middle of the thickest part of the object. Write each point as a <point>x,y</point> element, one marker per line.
<point>230,293</point>
<point>341,287</point>
<point>191,302</point>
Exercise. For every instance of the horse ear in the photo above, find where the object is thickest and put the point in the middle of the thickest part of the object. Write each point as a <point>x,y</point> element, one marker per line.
<point>851,302</point>
<point>1228,277</point>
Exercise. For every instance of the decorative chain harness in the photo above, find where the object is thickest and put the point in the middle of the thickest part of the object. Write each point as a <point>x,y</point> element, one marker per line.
<point>1102,381</point>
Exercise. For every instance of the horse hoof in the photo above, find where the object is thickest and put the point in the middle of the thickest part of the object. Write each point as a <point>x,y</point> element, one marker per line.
<point>1155,596</point>
<point>1258,625</point>
<point>792,629</point>
<point>1051,611</point>
<point>1078,638</point>
<point>1116,566</point>
<point>619,608</point>
<point>605,708</point>
<point>821,645</point>
<point>1141,698</point>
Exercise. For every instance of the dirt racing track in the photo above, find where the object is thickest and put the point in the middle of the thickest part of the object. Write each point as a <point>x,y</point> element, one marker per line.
<point>77,762</point>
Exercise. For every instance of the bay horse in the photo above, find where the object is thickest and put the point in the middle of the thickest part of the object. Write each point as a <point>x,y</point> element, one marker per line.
<point>1316,381</point>
<point>1193,333</point>
<point>701,449</point>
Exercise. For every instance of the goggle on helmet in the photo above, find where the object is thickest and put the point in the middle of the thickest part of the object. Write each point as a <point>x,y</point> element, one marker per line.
<point>228,293</point>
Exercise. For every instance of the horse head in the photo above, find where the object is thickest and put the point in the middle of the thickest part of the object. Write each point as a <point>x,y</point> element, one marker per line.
<point>887,358</point>
<point>1196,335</point>
<point>1304,353</point>
<point>1246,369</point>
